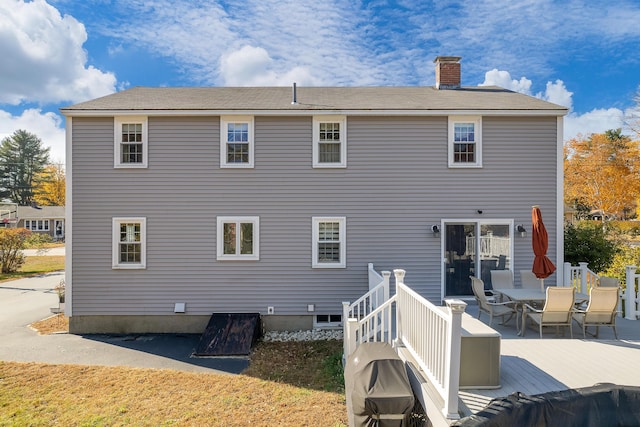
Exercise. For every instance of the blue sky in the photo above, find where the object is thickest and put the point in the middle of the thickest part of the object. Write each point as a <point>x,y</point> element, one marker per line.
<point>581,54</point>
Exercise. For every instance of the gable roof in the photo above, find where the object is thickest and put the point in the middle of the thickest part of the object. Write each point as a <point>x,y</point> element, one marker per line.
<point>41,212</point>
<point>347,99</point>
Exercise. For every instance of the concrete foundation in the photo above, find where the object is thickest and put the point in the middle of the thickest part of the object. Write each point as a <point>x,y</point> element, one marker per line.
<point>190,324</point>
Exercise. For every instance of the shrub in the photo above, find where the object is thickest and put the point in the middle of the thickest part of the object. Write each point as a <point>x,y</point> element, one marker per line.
<point>626,256</point>
<point>37,240</point>
<point>12,242</point>
<point>587,242</point>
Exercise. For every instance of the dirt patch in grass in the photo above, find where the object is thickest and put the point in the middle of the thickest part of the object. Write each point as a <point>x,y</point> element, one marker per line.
<point>54,324</point>
<point>286,384</point>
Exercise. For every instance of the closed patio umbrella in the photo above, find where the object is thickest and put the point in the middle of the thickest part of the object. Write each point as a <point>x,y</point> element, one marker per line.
<point>542,265</point>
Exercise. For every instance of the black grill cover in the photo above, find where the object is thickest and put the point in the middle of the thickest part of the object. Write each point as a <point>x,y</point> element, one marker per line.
<point>377,387</point>
<point>603,405</point>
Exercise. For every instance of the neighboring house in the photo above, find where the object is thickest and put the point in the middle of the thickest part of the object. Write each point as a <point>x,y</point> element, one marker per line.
<point>273,200</point>
<point>39,219</point>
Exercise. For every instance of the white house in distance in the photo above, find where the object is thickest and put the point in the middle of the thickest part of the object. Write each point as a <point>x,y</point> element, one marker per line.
<point>273,200</point>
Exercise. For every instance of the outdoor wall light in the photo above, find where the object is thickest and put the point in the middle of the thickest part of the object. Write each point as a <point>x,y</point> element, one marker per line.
<point>520,229</point>
<point>435,230</point>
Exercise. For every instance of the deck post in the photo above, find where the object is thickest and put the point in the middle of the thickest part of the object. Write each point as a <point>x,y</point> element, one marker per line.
<point>452,380</point>
<point>385,280</point>
<point>631,297</point>
<point>352,341</point>
<point>583,277</point>
<point>345,327</point>
<point>567,275</point>
<point>399,275</point>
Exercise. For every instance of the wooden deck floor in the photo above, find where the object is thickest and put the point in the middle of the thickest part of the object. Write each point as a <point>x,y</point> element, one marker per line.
<point>532,365</point>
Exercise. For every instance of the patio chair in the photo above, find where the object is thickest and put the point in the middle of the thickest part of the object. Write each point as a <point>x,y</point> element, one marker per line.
<point>529,280</point>
<point>608,282</point>
<point>493,309</point>
<point>501,279</point>
<point>557,310</point>
<point>601,311</point>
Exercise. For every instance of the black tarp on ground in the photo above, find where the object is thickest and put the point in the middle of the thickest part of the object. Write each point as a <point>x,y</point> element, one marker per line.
<point>603,405</point>
<point>229,334</point>
<point>377,387</point>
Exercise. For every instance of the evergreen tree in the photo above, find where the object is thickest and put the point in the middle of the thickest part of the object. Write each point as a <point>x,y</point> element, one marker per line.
<point>22,157</point>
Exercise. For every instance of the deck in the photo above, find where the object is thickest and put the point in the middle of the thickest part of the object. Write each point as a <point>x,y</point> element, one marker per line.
<point>532,365</point>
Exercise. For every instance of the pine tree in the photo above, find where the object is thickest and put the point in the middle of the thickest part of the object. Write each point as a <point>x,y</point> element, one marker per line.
<point>22,157</point>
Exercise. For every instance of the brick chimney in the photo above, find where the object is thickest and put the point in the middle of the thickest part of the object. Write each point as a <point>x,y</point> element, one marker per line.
<point>447,72</point>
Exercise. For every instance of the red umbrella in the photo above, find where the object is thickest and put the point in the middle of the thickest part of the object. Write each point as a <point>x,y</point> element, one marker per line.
<point>542,265</point>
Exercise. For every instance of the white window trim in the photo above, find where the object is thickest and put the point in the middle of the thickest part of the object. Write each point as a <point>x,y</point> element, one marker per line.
<point>117,140</point>
<point>116,243</point>
<point>343,141</point>
<point>32,224</point>
<point>221,220</point>
<point>224,120</point>
<point>343,242</point>
<point>477,120</point>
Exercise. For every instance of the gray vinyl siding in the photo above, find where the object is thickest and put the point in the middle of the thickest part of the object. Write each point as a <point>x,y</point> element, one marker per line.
<point>396,185</point>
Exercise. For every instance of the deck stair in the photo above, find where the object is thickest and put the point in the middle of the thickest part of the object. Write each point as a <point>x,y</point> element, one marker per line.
<point>229,334</point>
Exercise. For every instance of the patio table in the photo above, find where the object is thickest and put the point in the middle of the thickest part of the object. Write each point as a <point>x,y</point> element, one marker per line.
<point>521,296</point>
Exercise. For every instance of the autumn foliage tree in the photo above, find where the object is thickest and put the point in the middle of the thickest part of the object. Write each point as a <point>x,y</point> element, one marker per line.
<point>50,186</point>
<point>603,172</point>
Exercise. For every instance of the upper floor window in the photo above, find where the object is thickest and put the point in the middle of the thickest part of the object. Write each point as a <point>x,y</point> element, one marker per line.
<point>465,141</point>
<point>129,242</point>
<point>329,142</point>
<point>238,238</point>
<point>130,149</point>
<point>329,242</point>
<point>236,142</point>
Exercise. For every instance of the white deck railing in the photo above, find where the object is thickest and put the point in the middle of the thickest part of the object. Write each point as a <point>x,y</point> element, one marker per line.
<point>580,277</point>
<point>431,334</point>
<point>631,296</point>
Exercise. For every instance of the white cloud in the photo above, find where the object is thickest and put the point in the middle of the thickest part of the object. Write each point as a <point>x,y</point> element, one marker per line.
<point>46,126</point>
<point>43,59</point>
<point>503,79</point>
<point>595,121</point>
<point>252,66</point>
<point>558,94</point>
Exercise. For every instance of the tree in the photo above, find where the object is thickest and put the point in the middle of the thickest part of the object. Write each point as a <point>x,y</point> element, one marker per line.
<point>587,242</point>
<point>22,156</point>
<point>50,186</point>
<point>603,172</point>
<point>12,242</point>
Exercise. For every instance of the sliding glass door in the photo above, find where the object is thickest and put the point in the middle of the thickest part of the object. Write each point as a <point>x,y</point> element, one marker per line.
<point>474,248</point>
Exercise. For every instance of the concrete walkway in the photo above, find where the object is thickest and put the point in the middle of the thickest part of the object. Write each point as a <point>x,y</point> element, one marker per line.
<point>60,251</point>
<point>25,301</point>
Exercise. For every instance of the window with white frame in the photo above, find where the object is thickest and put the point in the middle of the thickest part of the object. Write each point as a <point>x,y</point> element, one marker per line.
<point>129,243</point>
<point>238,238</point>
<point>236,142</point>
<point>329,242</point>
<point>465,141</point>
<point>130,149</point>
<point>329,141</point>
<point>36,224</point>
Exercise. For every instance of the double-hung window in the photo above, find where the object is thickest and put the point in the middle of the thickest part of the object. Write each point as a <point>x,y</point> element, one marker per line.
<point>465,141</point>
<point>329,242</point>
<point>129,243</point>
<point>130,145</point>
<point>236,142</point>
<point>329,142</point>
<point>238,238</point>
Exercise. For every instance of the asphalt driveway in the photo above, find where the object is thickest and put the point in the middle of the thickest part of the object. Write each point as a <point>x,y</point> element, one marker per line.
<point>25,301</point>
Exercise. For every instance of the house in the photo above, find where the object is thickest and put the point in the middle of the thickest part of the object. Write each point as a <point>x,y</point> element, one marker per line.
<point>183,202</point>
<point>43,219</point>
<point>47,220</point>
